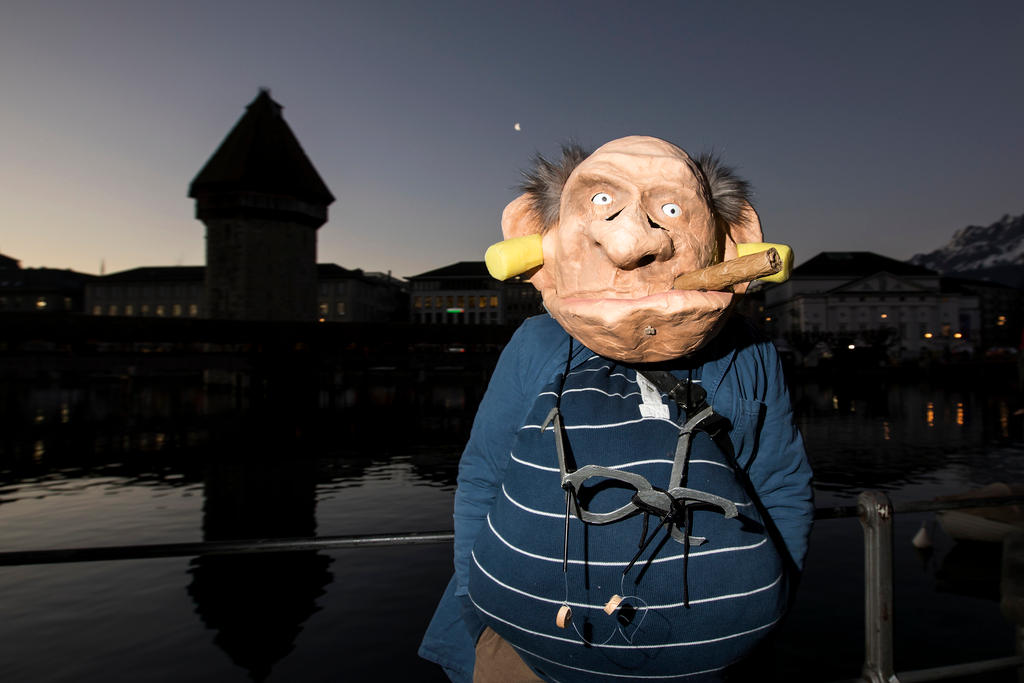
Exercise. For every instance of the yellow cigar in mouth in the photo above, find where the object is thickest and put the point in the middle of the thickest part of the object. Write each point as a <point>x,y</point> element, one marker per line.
<point>517,255</point>
<point>784,251</point>
<point>722,277</point>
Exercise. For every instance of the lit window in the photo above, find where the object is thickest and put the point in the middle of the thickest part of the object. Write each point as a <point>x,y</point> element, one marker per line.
<point>417,302</point>
<point>193,310</point>
<point>339,307</point>
<point>323,308</point>
<point>483,302</point>
<point>176,310</point>
<point>144,309</point>
<point>161,310</point>
<point>112,310</point>
<point>1001,320</point>
<point>494,302</point>
<point>41,302</point>
<point>97,310</point>
<point>129,309</point>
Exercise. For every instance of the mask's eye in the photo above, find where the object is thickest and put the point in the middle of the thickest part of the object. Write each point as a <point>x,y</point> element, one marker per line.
<point>671,210</point>
<point>601,199</point>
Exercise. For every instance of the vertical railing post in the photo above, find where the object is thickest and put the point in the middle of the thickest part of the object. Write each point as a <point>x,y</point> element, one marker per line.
<point>1011,589</point>
<point>876,515</point>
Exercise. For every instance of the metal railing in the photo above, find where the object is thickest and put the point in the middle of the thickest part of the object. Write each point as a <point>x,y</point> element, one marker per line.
<point>877,515</point>
<point>875,510</point>
<point>266,545</point>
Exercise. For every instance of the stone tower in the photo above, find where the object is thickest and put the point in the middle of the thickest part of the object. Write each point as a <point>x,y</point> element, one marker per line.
<point>262,203</point>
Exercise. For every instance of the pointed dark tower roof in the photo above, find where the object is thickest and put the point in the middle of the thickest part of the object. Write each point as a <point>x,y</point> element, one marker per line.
<point>260,156</point>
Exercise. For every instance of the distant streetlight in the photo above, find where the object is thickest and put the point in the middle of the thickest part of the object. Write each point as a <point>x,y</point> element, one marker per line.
<point>957,335</point>
<point>927,335</point>
<point>852,347</point>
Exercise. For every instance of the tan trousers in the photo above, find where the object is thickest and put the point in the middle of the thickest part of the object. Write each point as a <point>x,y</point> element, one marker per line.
<point>498,662</point>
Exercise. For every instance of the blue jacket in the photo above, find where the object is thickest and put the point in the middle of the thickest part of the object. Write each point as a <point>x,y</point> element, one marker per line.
<point>743,378</point>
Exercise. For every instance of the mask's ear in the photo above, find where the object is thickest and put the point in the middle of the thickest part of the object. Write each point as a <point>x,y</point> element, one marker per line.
<point>745,227</point>
<point>730,198</point>
<point>519,219</point>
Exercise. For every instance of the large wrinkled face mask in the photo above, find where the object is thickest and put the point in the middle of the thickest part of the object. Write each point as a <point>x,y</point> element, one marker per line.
<point>631,223</point>
<point>632,217</point>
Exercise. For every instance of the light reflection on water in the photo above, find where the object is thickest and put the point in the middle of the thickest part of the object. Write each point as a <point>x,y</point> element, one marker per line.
<point>164,473</point>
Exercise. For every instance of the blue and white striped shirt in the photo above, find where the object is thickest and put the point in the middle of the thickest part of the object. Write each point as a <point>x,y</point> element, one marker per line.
<point>735,578</point>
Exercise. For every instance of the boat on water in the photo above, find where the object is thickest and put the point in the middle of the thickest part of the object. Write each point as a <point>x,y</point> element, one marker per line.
<point>985,524</point>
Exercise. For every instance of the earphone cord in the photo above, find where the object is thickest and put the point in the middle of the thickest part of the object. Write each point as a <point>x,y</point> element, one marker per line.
<point>619,627</point>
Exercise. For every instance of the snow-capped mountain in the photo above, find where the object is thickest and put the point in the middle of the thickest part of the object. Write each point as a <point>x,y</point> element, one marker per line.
<point>994,252</point>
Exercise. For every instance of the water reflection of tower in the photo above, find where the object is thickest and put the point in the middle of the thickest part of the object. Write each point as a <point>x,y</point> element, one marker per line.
<point>262,202</point>
<point>257,604</point>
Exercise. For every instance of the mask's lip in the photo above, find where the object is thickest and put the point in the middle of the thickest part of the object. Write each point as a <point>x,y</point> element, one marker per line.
<point>682,321</point>
<point>672,299</point>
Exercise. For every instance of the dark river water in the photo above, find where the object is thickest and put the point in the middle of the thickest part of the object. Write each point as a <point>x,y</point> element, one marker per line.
<point>119,461</point>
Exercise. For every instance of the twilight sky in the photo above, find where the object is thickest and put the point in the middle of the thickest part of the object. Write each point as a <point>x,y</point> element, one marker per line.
<point>879,126</point>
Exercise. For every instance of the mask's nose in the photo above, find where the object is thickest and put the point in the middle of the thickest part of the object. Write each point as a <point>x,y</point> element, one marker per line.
<point>629,240</point>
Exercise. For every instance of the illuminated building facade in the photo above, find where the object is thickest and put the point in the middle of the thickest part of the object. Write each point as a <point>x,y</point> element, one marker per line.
<point>464,293</point>
<point>862,298</point>
<point>45,290</point>
<point>343,295</point>
<point>157,292</point>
